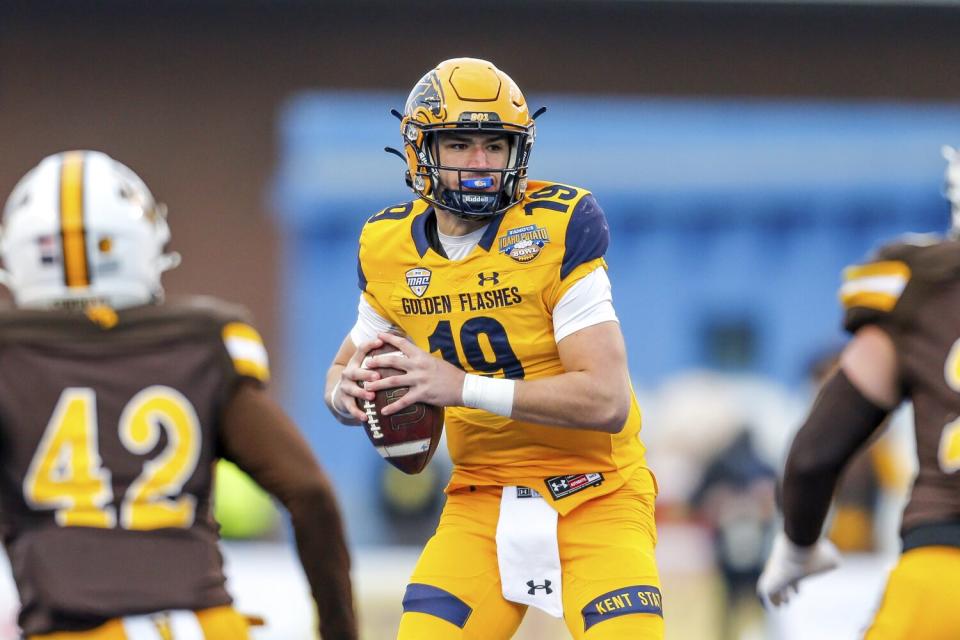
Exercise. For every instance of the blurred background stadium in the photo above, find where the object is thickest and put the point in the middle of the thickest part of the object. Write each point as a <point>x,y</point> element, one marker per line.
<point>744,153</point>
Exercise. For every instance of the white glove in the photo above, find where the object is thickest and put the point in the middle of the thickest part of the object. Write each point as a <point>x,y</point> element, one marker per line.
<point>788,564</point>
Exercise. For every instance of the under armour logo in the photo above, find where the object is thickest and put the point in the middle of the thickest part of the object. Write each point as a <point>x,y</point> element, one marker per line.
<point>534,586</point>
<point>494,277</point>
<point>560,485</point>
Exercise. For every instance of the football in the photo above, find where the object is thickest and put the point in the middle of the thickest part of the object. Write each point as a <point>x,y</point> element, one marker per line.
<point>407,439</point>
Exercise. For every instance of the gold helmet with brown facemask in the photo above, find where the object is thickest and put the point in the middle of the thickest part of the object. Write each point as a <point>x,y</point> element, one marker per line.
<point>466,95</point>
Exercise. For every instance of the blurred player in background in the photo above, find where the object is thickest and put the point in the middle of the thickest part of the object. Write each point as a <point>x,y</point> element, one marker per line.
<point>902,308</point>
<point>114,407</point>
<point>500,286</point>
<point>735,498</point>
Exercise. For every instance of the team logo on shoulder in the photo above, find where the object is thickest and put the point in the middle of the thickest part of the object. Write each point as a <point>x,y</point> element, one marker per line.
<point>523,244</point>
<point>418,280</point>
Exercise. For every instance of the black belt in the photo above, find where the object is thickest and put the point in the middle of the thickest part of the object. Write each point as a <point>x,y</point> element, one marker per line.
<point>937,534</point>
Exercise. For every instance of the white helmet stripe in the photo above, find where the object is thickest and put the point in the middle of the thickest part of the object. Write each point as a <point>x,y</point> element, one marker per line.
<point>72,232</point>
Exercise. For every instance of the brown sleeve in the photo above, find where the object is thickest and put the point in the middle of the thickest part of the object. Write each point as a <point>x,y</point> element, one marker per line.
<point>262,440</point>
<point>839,423</point>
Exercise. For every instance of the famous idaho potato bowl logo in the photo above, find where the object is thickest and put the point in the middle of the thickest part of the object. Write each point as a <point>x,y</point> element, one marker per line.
<point>524,243</point>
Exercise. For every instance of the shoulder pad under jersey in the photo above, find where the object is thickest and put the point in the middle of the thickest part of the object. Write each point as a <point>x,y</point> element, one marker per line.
<point>897,278</point>
<point>587,233</point>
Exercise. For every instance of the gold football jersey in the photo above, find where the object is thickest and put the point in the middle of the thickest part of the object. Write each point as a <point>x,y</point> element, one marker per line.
<point>491,314</point>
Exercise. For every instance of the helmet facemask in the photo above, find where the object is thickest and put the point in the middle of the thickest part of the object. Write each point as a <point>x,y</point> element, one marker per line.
<point>465,191</point>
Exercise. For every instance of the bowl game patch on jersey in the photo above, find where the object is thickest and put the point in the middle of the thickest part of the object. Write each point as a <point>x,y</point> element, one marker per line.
<point>524,243</point>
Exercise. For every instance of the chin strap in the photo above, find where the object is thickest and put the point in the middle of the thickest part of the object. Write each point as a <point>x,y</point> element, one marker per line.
<point>458,203</point>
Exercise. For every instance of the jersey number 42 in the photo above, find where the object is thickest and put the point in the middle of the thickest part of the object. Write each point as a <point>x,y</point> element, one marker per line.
<point>67,473</point>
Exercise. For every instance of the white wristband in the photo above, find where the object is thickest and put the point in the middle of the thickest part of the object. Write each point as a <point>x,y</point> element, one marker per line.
<point>490,394</point>
<point>333,403</point>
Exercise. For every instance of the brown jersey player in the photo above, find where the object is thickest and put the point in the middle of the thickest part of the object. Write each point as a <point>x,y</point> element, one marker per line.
<point>113,408</point>
<point>902,308</point>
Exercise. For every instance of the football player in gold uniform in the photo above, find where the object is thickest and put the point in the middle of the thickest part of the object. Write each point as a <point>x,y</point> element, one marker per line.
<point>902,308</point>
<point>498,283</point>
<point>114,407</point>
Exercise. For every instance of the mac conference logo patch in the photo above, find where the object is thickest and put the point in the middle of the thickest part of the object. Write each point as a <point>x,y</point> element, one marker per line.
<point>523,244</point>
<point>418,279</point>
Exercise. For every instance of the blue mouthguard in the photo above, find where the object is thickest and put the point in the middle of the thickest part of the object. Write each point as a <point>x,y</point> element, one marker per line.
<point>477,183</point>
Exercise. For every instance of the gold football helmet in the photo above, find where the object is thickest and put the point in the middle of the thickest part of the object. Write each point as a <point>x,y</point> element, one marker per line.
<point>466,95</point>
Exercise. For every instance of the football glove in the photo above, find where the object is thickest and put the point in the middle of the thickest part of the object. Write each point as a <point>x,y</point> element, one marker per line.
<point>789,563</point>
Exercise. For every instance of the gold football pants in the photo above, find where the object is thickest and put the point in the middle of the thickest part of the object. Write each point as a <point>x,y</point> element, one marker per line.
<point>611,587</point>
<point>921,598</point>
<point>217,623</point>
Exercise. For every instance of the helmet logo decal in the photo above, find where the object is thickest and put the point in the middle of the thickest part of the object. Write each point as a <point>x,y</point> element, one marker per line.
<point>143,200</point>
<point>427,95</point>
<point>523,244</point>
<point>418,279</point>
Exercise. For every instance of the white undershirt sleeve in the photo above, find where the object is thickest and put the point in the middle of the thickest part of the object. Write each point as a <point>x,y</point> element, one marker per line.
<point>369,323</point>
<point>586,303</point>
